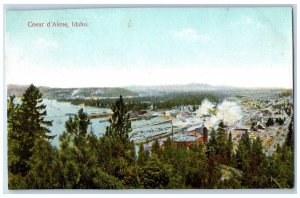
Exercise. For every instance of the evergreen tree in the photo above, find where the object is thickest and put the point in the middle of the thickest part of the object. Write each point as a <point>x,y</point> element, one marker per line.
<point>78,153</point>
<point>270,122</point>
<point>290,136</point>
<point>15,179</point>
<point>116,150</point>
<point>28,133</point>
<point>252,126</point>
<point>280,170</point>
<point>196,176</point>
<point>117,134</point>
<point>42,174</point>
<point>257,167</point>
<point>211,145</point>
<point>213,170</point>
<point>156,148</point>
<point>229,150</point>
<point>154,174</point>
<point>281,164</point>
<point>243,153</point>
<point>34,125</point>
<point>221,146</point>
<point>119,123</point>
<point>13,127</point>
<point>143,155</point>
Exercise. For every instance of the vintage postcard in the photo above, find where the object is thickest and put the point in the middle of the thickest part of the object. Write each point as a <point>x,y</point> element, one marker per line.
<point>150,98</point>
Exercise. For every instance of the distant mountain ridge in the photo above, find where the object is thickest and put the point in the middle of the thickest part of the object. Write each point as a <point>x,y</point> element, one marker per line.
<point>57,93</point>
<point>135,90</point>
<point>192,87</point>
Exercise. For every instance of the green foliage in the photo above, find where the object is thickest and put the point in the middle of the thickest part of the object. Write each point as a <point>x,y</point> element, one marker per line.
<point>257,166</point>
<point>165,101</point>
<point>270,122</point>
<point>286,93</point>
<point>289,142</point>
<point>212,143</point>
<point>197,177</point>
<point>243,153</point>
<point>85,161</point>
<point>156,148</point>
<point>143,156</point>
<point>120,126</point>
<point>280,169</point>
<point>221,144</point>
<point>154,174</point>
<point>229,151</point>
<point>28,140</point>
<point>279,121</point>
<point>104,181</point>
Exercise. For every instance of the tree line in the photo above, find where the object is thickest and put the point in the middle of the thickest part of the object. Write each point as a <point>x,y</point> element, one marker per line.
<point>85,161</point>
<point>165,101</point>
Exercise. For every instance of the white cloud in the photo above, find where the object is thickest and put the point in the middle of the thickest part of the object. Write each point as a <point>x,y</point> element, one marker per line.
<point>190,34</point>
<point>47,43</point>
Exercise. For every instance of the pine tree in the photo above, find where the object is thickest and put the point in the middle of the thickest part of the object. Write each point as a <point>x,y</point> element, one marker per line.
<point>221,146</point>
<point>118,132</point>
<point>79,153</point>
<point>154,174</point>
<point>42,174</point>
<point>27,128</point>
<point>143,155</point>
<point>120,124</point>
<point>212,161</point>
<point>211,145</point>
<point>198,162</point>
<point>257,169</point>
<point>13,121</point>
<point>270,122</point>
<point>212,170</point>
<point>34,125</point>
<point>280,170</point>
<point>156,148</point>
<point>169,150</point>
<point>229,150</point>
<point>15,165</point>
<point>116,150</point>
<point>243,152</point>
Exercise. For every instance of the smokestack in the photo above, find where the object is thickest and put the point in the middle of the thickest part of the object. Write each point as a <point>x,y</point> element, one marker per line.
<point>205,134</point>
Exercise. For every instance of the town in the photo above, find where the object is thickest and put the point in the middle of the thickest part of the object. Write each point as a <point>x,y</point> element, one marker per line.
<point>186,125</point>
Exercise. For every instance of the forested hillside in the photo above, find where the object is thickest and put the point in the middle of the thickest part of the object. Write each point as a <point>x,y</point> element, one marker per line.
<point>85,161</point>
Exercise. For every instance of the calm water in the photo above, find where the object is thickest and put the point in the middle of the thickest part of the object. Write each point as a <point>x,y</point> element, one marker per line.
<point>57,112</point>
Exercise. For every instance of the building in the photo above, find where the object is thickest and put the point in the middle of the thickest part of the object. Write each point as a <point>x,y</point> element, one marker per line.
<point>202,131</point>
<point>193,135</point>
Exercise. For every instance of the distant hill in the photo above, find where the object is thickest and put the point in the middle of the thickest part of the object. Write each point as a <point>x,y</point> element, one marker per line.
<point>192,87</point>
<point>57,93</point>
<point>71,93</point>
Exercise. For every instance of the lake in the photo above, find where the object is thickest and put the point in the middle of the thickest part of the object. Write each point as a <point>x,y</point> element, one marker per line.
<point>59,113</point>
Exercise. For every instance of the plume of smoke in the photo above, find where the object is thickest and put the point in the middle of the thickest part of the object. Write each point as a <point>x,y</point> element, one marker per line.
<point>75,92</point>
<point>212,122</point>
<point>229,112</point>
<point>205,107</point>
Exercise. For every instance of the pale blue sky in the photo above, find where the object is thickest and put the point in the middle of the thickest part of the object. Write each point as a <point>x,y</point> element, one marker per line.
<point>249,47</point>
